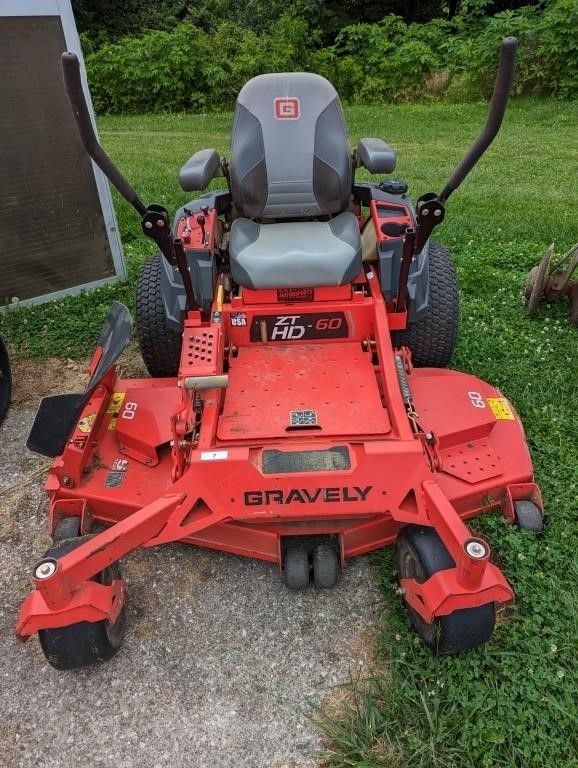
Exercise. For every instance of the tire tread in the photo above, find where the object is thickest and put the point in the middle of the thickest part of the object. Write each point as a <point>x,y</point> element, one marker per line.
<point>433,337</point>
<point>160,345</point>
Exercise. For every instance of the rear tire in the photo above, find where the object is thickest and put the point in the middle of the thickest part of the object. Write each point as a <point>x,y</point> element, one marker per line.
<point>85,642</point>
<point>160,345</point>
<point>421,553</point>
<point>433,337</point>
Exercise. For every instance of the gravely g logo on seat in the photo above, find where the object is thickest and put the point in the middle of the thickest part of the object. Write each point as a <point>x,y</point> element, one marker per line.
<point>287,108</point>
<point>305,496</point>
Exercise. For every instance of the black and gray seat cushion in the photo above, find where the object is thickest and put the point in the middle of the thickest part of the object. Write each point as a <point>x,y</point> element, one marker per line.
<point>289,149</point>
<point>290,159</point>
<point>303,254</point>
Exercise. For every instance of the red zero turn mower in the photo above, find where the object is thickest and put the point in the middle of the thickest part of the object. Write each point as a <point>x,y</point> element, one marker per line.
<point>298,410</point>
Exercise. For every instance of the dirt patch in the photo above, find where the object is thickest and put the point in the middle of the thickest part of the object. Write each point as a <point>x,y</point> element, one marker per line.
<point>33,379</point>
<point>131,363</point>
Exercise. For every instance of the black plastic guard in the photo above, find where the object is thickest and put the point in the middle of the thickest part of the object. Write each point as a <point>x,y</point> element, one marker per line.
<point>114,337</point>
<point>54,421</point>
<point>5,380</point>
<point>58,414</point>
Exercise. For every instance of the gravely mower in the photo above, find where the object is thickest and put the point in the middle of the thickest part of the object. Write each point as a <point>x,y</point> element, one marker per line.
<point>298,410</point>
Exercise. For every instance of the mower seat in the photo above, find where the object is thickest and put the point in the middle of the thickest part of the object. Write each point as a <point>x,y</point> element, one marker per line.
<point>295,255</point>
<point>290,173</point>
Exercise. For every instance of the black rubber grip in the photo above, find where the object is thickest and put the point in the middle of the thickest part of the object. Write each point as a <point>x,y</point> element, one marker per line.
<point>75,93</point>
<point>498,103</point>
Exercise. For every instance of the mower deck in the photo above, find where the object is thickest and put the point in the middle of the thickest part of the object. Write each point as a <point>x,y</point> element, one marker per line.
<point>297,439</point>
<point>256,483</point>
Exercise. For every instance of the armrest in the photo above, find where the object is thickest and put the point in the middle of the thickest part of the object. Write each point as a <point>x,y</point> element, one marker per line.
<point>375,155</point>
<point>198,171</point>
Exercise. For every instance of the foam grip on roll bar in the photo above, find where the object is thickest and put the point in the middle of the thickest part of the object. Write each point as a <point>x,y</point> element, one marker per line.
<point>75,93</point>
<point>498,103</point>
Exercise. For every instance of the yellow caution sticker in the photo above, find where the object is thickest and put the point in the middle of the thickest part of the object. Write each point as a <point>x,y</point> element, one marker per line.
<point>501,408</point>
<point>85,424</point>
<point>115,402</point>
<point>112,423</point>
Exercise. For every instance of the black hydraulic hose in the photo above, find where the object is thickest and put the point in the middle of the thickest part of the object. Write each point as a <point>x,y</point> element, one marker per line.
<point>73,84</point>
<point>502,87</point>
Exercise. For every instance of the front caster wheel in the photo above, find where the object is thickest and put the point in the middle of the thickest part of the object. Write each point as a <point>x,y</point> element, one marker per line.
<point>420,554</point>
<point>86,642</point>
<point>325,566</point>
<point>296,568</point>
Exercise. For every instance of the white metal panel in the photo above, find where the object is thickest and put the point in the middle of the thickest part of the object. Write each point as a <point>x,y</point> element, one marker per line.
<point>63,9</point>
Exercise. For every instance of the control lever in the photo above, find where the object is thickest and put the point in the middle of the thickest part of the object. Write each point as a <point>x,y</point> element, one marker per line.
<point>155,220</point>
<point>201,222</point>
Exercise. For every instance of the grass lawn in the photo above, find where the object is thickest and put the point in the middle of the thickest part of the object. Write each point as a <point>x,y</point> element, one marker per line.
<point>512,703</point>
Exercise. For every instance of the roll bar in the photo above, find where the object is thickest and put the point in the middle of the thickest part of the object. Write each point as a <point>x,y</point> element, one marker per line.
<point>498,103</point>
<point>155,220</point>
<point>75,93</point>
<point>430,208</point>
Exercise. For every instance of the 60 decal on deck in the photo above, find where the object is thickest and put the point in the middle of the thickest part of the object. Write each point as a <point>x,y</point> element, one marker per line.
<point>298,327</point>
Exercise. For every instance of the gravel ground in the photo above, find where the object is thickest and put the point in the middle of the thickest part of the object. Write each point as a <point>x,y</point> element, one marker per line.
<point>218,668</point>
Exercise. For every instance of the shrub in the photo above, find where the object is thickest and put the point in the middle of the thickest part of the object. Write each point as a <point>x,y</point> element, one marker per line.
<point>556,64</point>
<point>189,68</point>
<point>384,61</point>
<point>474,58</point>
<point>156,72</point>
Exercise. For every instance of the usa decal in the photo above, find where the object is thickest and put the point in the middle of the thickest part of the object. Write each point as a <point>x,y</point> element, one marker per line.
<point>287,108</point>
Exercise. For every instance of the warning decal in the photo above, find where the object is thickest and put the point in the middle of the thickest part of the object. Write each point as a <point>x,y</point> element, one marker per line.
<point>115,403</point>
<point>501,408</point>
<point>115,476</point>
<point>114,408</point>
<point>85,424</point>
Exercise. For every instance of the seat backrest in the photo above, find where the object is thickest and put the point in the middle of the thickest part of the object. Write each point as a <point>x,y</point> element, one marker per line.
<point>289,148</point>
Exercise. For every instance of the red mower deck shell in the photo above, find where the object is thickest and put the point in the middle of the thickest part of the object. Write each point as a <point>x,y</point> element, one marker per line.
<point>305,434</point>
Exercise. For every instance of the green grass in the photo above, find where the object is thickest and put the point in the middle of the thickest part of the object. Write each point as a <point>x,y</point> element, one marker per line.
<point>512,703</point>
